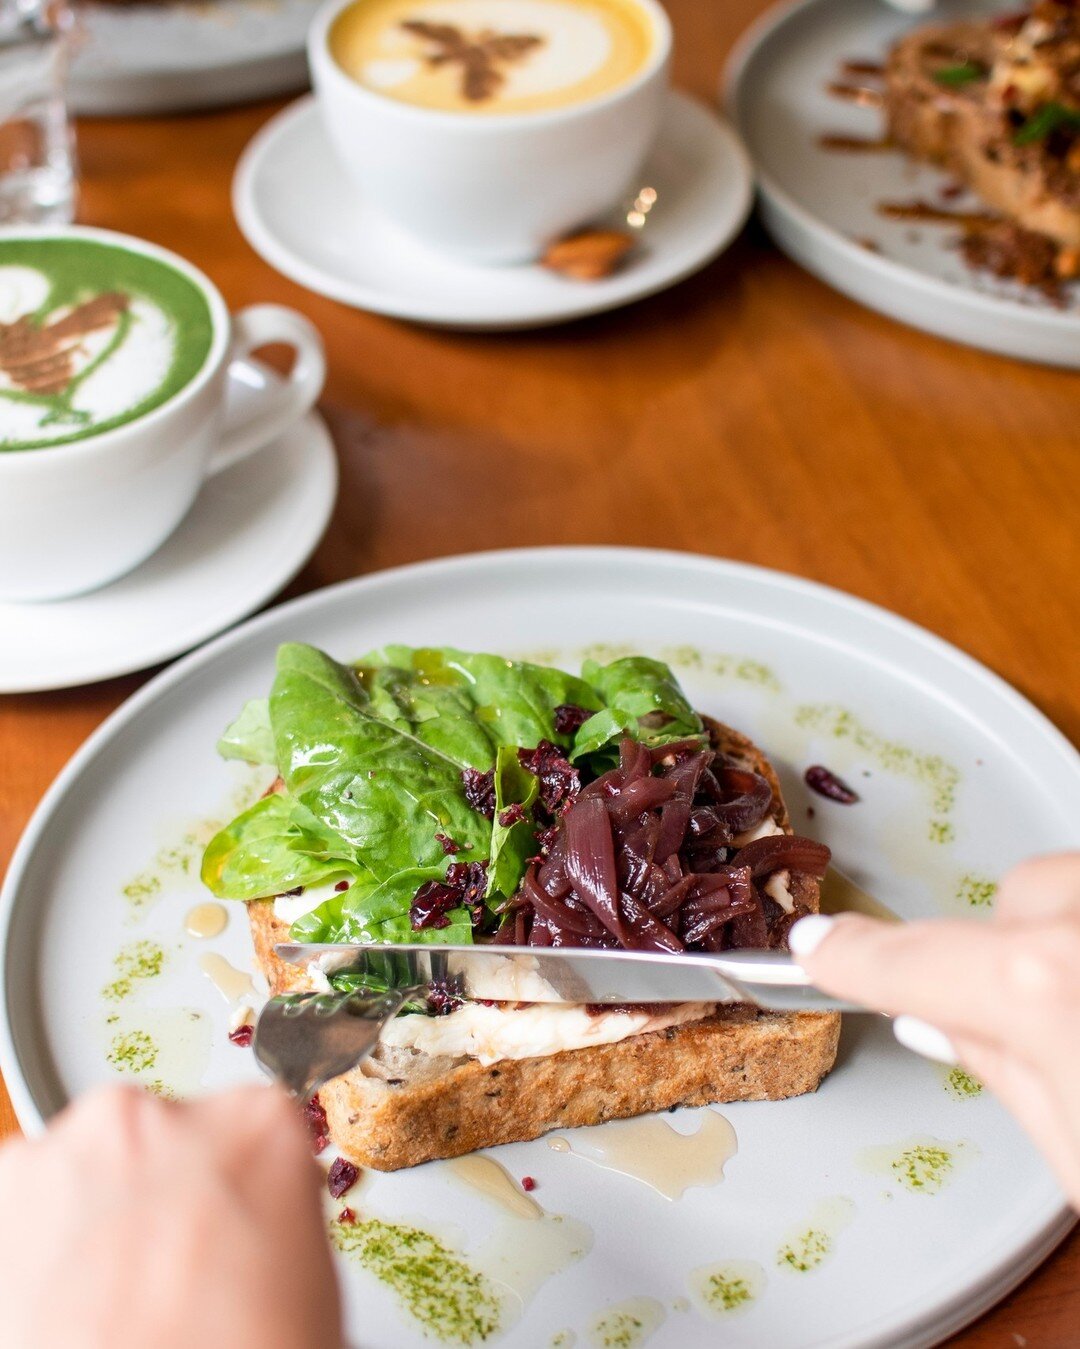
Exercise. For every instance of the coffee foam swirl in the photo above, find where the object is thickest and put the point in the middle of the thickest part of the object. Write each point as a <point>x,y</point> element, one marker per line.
<point>460,55</point>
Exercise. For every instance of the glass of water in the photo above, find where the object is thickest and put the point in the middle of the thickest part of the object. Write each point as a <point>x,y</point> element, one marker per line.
<point>37,162</point>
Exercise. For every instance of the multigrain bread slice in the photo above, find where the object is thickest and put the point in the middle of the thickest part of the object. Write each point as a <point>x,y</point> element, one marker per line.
<point>402,1107</point>
<point>966,128</point>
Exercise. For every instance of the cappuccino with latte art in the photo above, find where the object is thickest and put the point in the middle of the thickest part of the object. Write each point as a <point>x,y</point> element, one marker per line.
<point>492,56</point>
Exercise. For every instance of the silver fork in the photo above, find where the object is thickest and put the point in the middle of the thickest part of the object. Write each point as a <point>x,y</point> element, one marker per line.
<point>305,1039</point>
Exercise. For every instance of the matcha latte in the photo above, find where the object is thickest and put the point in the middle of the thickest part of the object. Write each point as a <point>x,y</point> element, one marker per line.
<point>92,336</point>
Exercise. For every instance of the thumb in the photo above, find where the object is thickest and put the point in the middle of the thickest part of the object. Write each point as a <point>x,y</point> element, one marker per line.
<point>950,973</point>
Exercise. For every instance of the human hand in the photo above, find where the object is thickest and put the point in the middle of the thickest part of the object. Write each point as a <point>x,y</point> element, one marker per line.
<point>135,1221</point>
<point>1006,992</point>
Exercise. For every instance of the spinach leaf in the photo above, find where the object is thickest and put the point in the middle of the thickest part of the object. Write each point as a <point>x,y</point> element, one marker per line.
<point>250,737</point>
<point>373,784</point>
<point>513,702</point>
<point>372,759</point>
<point>642,699</point>
<point>441,715</point>
<point>511,844</point>
<point>269,849</point>
<point>380,913</point>
<point>368,981</point>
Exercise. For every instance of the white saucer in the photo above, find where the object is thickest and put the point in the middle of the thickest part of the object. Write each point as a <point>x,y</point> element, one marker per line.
<point>296,209</point>
<point>818,204</point>
<point>250,531</point>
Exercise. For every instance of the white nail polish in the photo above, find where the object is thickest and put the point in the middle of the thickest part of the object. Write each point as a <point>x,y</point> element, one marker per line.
<point>808,933</point>
<point>919,1036</point>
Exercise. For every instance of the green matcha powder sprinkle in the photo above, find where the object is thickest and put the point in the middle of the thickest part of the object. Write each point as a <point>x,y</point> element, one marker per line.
<point>135,963</point>
<point>450,1299</point>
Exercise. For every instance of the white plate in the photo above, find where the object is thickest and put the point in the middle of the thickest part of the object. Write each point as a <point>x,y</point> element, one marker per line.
<point>751,646</point>
<point>134,59</point>
<point>251,529</point>
<point>298,211</point>
<point>817,203</point>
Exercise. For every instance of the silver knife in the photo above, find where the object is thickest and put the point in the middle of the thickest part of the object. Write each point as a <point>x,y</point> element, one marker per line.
<point>770,979</point>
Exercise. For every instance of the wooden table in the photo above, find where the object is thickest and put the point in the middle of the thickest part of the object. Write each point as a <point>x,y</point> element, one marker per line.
<point>827,441</point>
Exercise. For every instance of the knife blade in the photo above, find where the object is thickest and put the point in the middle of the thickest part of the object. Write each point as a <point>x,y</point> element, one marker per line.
<point>770,979</point>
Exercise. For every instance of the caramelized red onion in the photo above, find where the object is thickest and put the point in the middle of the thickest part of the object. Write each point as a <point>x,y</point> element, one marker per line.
<point>645,858</point>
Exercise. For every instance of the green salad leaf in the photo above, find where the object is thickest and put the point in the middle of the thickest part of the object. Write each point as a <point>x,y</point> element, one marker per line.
<point>441,715</point>
<point>380,913</point>
<point>272,847</point>
<point>250,736</point>
<point>512,844</point>
<point>377,786</point>
<point>641,699</point>
<point>372,758</point>
<point>511,702</point>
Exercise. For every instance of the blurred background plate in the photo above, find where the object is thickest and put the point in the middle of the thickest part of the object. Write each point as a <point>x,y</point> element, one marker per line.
<point>821,206</point>
<point>180,57</point>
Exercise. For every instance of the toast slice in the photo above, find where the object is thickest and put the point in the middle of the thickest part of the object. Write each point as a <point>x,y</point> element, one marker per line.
<point>960,95</point>
<point>402,1107</point>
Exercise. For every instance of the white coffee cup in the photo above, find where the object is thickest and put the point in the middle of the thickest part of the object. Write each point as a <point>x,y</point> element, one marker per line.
<point>491,188</point>
<point>75,516</point>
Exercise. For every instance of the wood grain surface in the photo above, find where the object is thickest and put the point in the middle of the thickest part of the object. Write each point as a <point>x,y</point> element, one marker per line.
<point>748,413</point>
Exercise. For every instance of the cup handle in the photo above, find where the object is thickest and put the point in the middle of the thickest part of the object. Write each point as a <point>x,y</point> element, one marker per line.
<point>277,407</point>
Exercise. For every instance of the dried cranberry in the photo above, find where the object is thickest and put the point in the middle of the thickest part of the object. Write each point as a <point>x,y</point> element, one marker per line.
<point>341,1176</point>
<point>447,844</point>
<point>527,1183</point>
<point>568,717</point>
<point>559,780</point>
<point>290,894</point>
<point>346,1217</point>
<point>442,999</point>
<point>431,904</point>
<point>470,880</point>
<point>545,838</point>
<point>315,1116</point>
<point>464,886</point>
<point>341,885</point>
<point>480,791</point>
<point>243,1035</point>
<point>513,814</point>
<point>823,781</point>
